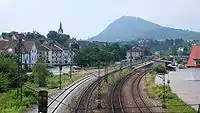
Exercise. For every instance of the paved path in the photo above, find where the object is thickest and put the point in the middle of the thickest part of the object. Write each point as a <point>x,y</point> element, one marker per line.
<point>183,83</point>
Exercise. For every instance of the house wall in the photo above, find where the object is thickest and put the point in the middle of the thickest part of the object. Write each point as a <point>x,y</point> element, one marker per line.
<point>56,57</point>
<point>25,58</point>
<point>184,59</point>
<point>33,55</point>
<point>49,56</point>
<point>66,56</point>
<point>134,55</point>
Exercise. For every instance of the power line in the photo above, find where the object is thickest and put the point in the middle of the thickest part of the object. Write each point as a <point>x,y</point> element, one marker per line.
<point>12,80</point>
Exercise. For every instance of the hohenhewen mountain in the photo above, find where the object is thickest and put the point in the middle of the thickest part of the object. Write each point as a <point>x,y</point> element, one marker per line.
<point>127,28</point>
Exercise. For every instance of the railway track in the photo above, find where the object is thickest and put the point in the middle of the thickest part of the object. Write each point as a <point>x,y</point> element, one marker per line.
<point>82,105</point>
<point>138,103</point>
<point>56,103</point>
<point>137,96</point>
<point>84,100</point>
<point>58,100</point>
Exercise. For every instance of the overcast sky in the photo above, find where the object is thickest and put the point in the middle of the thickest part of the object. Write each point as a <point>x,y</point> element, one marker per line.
<point>86,18</point>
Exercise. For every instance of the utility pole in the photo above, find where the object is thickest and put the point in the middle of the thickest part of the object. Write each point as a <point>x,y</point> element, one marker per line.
<point>131,55</point>
<point>70,49</point>
<point>60,68</point>
<point>164,99</point>
<point>19,69</point>
<point>99,87</point>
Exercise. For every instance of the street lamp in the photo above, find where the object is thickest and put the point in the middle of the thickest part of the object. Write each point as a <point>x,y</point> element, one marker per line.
<point>10,50</point>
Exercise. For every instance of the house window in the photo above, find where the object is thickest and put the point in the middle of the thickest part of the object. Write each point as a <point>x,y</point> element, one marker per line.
<point>198,62</point>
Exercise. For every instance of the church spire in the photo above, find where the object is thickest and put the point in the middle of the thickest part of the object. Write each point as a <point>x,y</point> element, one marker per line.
<point>60,30</point>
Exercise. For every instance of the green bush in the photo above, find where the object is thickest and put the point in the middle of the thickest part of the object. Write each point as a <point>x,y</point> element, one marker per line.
<point>53,82</point>
<point>10,104</point>
<point>160,69</point>
<point>40,72</point>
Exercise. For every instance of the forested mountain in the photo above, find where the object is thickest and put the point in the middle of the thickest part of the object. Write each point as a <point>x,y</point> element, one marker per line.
<point>127,28</point>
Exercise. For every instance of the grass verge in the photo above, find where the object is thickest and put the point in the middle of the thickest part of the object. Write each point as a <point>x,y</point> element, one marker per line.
<point>54,81</point>
<point>9,103</point>
<point>173,103</point>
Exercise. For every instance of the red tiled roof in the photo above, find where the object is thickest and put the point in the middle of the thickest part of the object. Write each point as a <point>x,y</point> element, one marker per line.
<point>52,47</point>
<point>5,45</point>
<point>28,45</point>
<point>195,54</point>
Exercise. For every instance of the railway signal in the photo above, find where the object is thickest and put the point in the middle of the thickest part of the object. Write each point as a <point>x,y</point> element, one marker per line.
<point>43,101</point>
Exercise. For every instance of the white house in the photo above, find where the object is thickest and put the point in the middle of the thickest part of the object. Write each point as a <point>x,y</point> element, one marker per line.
<point>30,53</point>
<point>29,50</point>
<point>55,53</point>
<point>135,52</point>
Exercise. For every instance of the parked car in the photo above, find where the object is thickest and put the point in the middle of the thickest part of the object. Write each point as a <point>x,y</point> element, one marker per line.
<point>181,66</point>
<point>76,68</point>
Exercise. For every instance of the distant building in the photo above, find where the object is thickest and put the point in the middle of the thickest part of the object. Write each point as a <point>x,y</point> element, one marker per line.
<point>135,52</point>
<point>194,59</point>
<point>164,63</point>
<point>55,53</point>
<point>176,59</point>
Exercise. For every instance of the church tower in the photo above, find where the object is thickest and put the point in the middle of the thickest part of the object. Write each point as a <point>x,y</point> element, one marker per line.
<point>60,30</point>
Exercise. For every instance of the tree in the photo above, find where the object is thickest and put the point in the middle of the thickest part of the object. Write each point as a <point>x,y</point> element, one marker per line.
<point>185,51</point>
<point>89,56</point>
<point>160,69</point>
<point>8,70</point>
<point>147,52</point>
<point>174,51</point>
<point>35,35</point>
<point>60,38</point>
<point>40,72</point>
<point>52,35</point>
